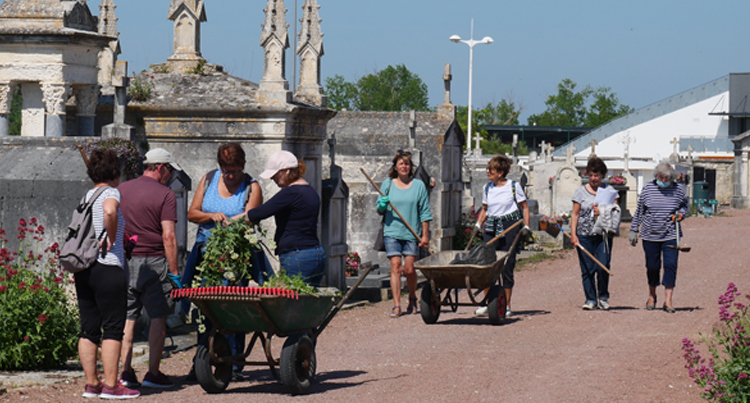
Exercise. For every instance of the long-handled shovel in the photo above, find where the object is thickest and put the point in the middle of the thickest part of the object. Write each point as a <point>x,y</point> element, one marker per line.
<point>394,208</point>
<point>677,237</point>
<point>579,246</point>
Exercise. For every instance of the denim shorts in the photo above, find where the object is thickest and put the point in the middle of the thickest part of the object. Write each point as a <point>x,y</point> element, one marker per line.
<point>309,263</point>
<point>398,247</point>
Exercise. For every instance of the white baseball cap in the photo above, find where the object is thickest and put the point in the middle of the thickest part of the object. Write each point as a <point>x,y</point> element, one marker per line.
<point>161,156</point>
<point>278,161</point>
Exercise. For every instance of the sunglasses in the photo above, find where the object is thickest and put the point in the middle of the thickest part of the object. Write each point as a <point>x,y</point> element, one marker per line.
<point>402,153</point>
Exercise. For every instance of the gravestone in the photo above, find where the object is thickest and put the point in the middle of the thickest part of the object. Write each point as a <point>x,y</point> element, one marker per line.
<point>564,185</point>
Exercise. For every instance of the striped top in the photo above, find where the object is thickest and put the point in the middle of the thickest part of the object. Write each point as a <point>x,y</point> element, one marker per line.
<point>655,208</point>
<point>116,255</point>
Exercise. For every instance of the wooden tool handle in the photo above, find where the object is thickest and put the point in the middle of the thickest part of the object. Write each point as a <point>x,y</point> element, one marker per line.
<point>505,231</point>
<point>578,245</point>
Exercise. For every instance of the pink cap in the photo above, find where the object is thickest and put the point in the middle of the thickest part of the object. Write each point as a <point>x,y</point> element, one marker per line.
<point>279,160</point>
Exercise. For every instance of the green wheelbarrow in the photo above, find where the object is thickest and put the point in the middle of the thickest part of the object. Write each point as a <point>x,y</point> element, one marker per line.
<point>265,313</point>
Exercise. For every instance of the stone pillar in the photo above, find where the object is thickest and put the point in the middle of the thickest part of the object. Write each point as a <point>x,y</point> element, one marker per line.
<point>54,97</point>
<point>118,128</point>
<point>6,97</point>
<point>87,97</point>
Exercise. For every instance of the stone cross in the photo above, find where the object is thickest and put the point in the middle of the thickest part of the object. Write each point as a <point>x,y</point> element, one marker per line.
<point>593,145</point>
<point>548,154</point>
<point>515,149</point>
<point>675,143</point>
<point>543,149</point>
<point>570,155</point>
<point>626,140</point>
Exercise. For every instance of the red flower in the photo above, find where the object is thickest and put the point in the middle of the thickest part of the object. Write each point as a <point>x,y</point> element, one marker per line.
<point>3,288</point>
<point>26,338</point>
<point>22,285</point>
<point>42,318</point>
<point>22,222</point>
<point>33,221</point>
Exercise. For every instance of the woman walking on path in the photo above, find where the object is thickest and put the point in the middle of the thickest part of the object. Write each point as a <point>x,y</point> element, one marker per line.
<point>662,202</point>
<point>586,203</point>
<point>409,197</point>
<point>102,289</point>
<point>501,200</point>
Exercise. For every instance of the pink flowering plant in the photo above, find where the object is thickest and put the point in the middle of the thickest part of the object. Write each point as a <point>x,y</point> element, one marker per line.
<point>353,264</point>
<point>723,374</point>
<point>617,180</point>
<point>38,314</point>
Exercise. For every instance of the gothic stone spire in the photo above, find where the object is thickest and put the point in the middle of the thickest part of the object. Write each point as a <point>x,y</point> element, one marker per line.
<point>310,49</point>
<point>274,88</point>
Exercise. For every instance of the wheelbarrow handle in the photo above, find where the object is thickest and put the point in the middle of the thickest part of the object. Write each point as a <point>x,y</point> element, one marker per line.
<point>341,303</point>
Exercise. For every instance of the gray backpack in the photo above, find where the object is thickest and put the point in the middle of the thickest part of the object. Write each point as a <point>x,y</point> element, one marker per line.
<point>81,248</point>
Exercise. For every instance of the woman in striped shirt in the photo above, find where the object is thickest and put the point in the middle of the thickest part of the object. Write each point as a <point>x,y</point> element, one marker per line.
<point>662,201</point>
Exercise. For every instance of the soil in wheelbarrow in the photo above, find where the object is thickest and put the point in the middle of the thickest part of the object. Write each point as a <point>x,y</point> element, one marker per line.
<point>550,350</point>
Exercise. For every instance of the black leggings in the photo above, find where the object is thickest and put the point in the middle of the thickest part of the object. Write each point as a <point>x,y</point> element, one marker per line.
<point>102,302</point>
<point>504,244</point>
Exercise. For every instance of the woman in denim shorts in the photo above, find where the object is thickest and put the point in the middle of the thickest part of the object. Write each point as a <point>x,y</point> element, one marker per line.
<point>408,196</point>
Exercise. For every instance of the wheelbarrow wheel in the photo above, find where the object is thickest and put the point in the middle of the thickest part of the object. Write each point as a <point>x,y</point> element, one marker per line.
<point>497,304</point>
<point>297,363</point>
<point>213,377</point>
<point>428,306</point>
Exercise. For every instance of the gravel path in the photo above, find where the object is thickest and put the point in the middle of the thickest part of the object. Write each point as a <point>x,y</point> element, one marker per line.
<point>549,351</point>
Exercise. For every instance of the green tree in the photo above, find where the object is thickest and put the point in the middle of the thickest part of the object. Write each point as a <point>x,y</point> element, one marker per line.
<point>588,107</point>
<point>15,119</point>
<point>340,93</point>
<point>502,113</point>
<point>390,89</point>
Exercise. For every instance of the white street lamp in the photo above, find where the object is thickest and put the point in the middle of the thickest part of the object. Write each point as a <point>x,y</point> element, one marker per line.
<point>471,42</point>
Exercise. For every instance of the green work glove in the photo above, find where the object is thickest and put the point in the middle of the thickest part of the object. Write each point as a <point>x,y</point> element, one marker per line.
<point>383,203</point>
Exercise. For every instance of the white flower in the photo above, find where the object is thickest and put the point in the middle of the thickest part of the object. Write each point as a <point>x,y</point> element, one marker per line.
<point>229,275</point>
<point>271,244</point>
<point>201,328</point>
<point>252,238</point>
<point>235,256</point>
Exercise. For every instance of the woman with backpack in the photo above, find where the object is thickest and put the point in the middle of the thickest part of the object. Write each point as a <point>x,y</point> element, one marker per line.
<point>223,193</point>
<point>102,289</point>
<point>503,204</point>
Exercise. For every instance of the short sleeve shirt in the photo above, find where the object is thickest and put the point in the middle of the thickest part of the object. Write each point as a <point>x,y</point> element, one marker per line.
<point>116,255</point>
<point>499,200</point>
<point>145,204</point>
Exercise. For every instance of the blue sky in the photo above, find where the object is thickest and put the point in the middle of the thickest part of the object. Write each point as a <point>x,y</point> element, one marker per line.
<point>644,50</point>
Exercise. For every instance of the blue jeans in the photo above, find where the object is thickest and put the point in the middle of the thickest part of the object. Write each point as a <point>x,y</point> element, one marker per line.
<point>595,279</point>
<point>504,244</point>
<point>308,263</point>
<point>654,253</point>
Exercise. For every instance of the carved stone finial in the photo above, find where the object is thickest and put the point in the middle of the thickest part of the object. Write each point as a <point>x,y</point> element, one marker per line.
<point>274,88</point>
<point>107,19</point>
<point>310,50</point>
<point>187,16</point>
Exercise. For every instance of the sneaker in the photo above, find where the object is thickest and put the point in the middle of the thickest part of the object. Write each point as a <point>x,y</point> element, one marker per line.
<point>118,392</point>
<point>481,311</point>
<point>588,306</point>
<point>129,380</point>
<point>237,376</point>
<point>508,312</point>
<point>604,305</point>
<point>92,391</point>
<point>157,381</point>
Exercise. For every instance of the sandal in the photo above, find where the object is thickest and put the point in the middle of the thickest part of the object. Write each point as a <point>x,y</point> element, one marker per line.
<point>669,309</point>
<point>412,308</point>
<point>395,312</point>
<point>651,307</point>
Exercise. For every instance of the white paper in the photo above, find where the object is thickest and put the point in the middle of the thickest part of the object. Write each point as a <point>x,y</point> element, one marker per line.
<point>606,195</point>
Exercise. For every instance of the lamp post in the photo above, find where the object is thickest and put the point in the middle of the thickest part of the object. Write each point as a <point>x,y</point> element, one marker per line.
<point>471,42</point>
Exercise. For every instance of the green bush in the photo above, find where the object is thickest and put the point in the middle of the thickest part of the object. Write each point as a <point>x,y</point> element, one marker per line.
<point>39,319</point>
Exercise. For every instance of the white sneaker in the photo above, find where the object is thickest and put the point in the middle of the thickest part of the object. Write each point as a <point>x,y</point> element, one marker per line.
<point>508,312</point>
<point>481,311</point>
<point>589,306</point>
<point>604,305</point>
